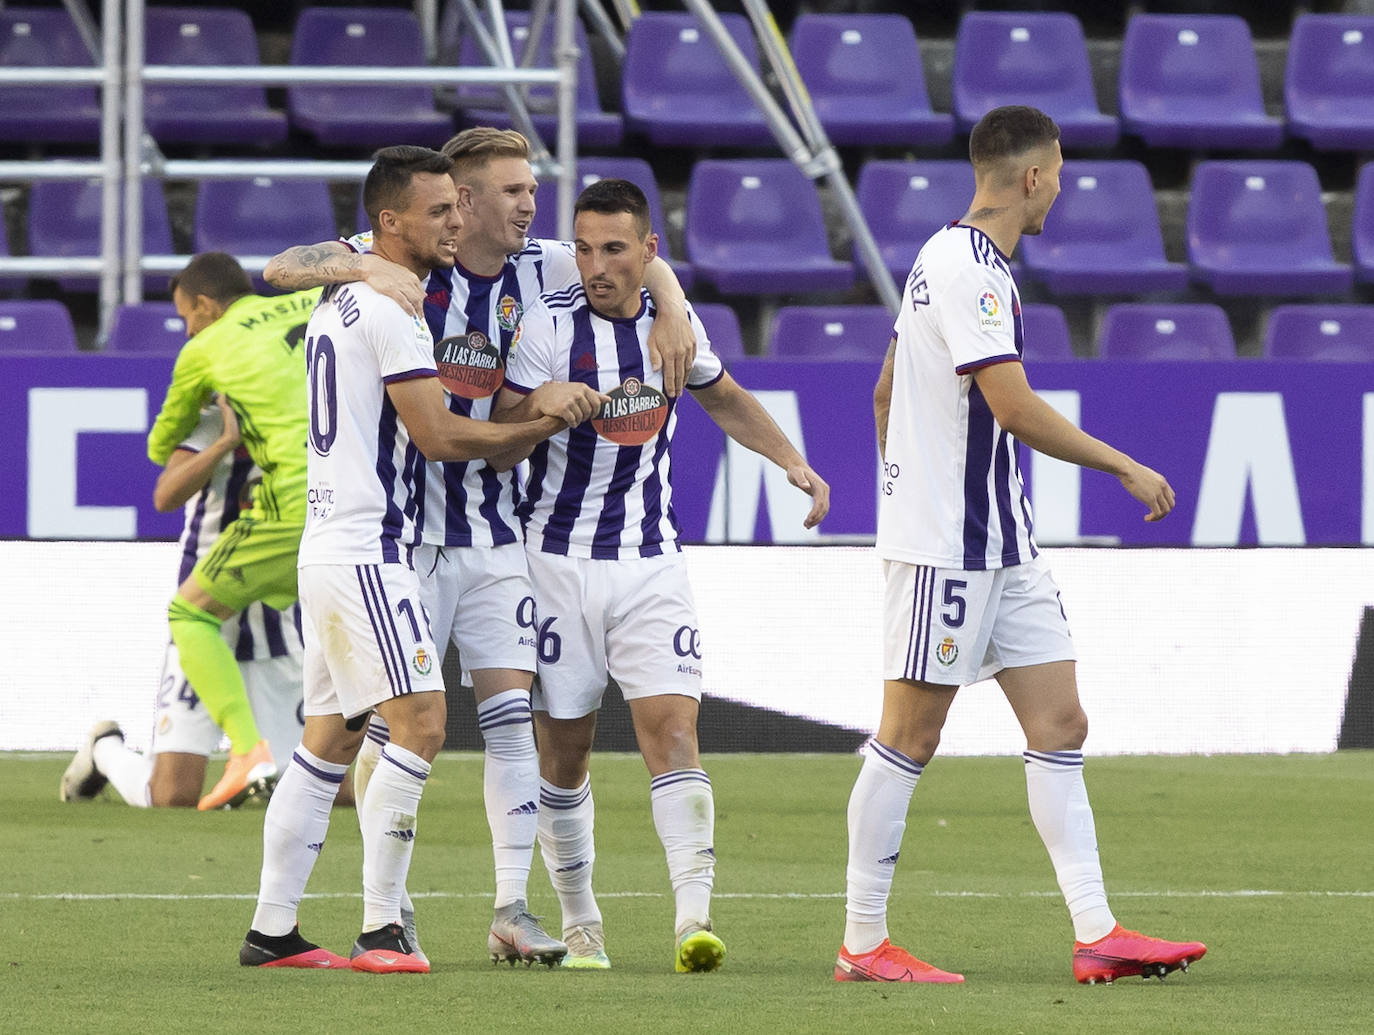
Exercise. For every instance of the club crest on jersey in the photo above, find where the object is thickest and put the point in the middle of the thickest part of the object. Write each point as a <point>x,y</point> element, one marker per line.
<point>469,365</point>
<point>989,312</point>
<point>947,653</point>
<point>422,662</point>
<point>634,413</point>
<point>508,313</point>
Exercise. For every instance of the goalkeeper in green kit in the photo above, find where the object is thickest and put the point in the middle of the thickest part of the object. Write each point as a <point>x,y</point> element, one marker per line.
<point>249,349</point>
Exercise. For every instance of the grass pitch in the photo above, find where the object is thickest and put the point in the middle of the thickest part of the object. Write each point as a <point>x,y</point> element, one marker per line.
<point>123,920</point>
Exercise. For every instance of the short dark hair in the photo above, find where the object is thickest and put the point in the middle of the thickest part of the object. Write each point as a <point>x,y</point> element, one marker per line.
<point>216,275</point>
<point>388,182</point>
<point>610,196</point>
<point>1009,131</point>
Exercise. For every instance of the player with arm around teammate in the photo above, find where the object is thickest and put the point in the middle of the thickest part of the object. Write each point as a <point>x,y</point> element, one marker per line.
<point>206,475</point>
<point>967,595</point>
<point>376,412</point>
<point>610,580</point>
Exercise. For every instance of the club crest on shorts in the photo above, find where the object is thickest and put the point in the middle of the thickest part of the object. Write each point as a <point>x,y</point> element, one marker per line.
<point>469,365</point>
<point>947,653</point>
<point>422,662</point>
<point>508,313</point>
<point>634,413</point>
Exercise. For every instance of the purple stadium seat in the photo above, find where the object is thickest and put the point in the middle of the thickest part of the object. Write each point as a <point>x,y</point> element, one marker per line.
<point>1329,81</point>
<point>1046,335</point>
<point>485,105</point>
<point>1258,228</point>
<point>1103,234</point>
<point>589,170</point>
<point>722,327</point>
<point>148,328</point>
<point>1034,58</point>
<point>218,114</point>
<point>64,222</point>
<point>45,37</point>
<point>1362,232</point>
<point>677,90</point>
<point>842,332</point>
<point>1185,331</point>
<point>36,326</point>
<point>262,216</point>
<point>1338,333</point>
<point>905,202</point>
<point>363,116</point>
<point>864,74</point>
<point>756,227</point>
<point>1192,80</point>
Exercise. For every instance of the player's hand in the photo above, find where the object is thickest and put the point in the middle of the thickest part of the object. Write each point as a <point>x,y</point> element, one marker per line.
<point>672,348</point>
<point>395,281</point>
<point>231,436</point>
<point>811,483</point>
<point>1151,489</point>
<point>569,401</point>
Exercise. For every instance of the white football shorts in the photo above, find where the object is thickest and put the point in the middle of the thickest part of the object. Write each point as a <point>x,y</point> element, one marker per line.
<point>366,637</point>
<point>184,726</point>
<point>954,627</point>
<point>632,619</point>
<point>480,598</point>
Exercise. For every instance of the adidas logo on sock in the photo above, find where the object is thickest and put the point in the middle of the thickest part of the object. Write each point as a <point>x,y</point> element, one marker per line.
<point>527,809</point>
<point>570,869</point>
<point>317,847</point>
<point>401,835</point>
<point>891,860</point>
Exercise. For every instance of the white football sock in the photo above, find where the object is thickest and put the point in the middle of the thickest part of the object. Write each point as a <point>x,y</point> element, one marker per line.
<point>877,819</point>
<point>1062,815</point>
<point>685,818</point>
<point>126,769</point>
<point>510,789</point>
<point>387,816</point>
<point>293,833</point>
<point>377,736</point>
<point>567,843</point>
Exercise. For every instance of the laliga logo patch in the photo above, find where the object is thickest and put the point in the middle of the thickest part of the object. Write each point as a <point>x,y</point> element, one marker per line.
<point>634,413</point>
<point>508,313</point>
<point>422,662</point>
<point>948,652</point>
<point>469,365</point>
<point>989,311</point>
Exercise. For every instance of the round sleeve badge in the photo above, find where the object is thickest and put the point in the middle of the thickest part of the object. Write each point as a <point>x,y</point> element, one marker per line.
<point>469,365</point>
<point>634,413</point>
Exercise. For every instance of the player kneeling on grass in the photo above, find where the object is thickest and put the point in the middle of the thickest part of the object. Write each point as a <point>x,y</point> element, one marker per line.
<point>968,596</point>
<point>610,582</point>
<point>375,405</point>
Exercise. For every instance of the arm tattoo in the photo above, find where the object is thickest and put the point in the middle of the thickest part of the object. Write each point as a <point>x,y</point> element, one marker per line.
<point>313,265</point>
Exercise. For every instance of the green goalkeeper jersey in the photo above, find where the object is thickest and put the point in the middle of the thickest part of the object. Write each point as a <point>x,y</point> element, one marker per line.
<point>254,355</point>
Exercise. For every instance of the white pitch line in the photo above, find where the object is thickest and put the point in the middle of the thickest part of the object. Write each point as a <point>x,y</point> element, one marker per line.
<point>784,895</point>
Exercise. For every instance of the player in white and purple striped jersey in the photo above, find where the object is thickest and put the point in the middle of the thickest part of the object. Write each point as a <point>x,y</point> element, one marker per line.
<point>207,475</point>
<point>474,577</point>
<point>609,577</point>
<point>376,410</point>
<point>967,595</point>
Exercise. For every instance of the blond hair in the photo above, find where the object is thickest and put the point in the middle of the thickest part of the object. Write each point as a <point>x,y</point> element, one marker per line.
<point>473,148</point>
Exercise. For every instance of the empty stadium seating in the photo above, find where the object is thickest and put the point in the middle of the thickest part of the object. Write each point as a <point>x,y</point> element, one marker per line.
<point>1337,333</point>
<point>262,216</point>
<point>37,36</point>
<point>905,202</point>
<point>853,333</point>
<point>1362,231</point>
<point>722,327</point>
<point>1103,235</point>
<point>146,328</point>
<point>1046,334</point>
<point>64,222</point>
<point>1196,331</point>
<point>1192,80</point>
<point>363,116</point>
<point>756,227</point>
<point>36,326</point>
<point>1329,81</point>
<point>1259,228</point>
<point>218,114</point>
<point>864,75</point>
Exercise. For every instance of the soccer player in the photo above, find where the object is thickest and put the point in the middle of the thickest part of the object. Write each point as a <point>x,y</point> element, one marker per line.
<point>206,475</point>
<point>967,595</point>
<point>246,348</point>
<point>609,577</point>
<point>375,406</point>
<point>475,582</point>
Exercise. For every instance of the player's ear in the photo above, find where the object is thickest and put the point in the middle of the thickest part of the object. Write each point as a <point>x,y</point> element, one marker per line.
<point>386,220</point>
<point>651,248</point>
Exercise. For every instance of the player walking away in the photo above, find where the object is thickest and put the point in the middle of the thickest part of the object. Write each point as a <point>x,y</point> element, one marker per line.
<point>375,406</point>
<point>206,475</point>
<point>609,577</point>
<point>246,348</point>
<point>968,596</point>
<point>474,579</point>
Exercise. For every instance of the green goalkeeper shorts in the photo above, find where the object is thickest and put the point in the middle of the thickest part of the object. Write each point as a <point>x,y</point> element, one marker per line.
<point>252,560</point>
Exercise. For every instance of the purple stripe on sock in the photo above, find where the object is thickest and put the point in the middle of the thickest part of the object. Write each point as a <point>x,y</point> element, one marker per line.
<point>896,759</point>
<point>315,771</point>
<point>519,720</point>
<point>564,800</point>
<point>1064,758</point>
<point>402,766</point>
<point>678,776</point>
